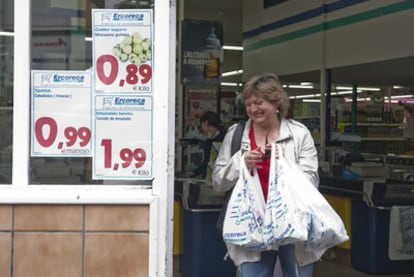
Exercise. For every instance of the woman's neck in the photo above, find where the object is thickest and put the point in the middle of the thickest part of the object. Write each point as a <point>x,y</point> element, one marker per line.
<point>268,125</point>
<point>269,131</point>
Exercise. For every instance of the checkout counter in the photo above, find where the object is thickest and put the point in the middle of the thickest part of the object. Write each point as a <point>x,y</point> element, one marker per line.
<point>202,250</point>
<point>366,198</point>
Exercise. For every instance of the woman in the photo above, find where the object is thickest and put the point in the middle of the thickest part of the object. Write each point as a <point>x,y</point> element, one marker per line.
<point>211,127</point>
<point>266,105</point>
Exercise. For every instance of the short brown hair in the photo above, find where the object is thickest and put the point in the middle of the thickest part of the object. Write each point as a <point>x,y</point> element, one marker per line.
<point>268,87</point>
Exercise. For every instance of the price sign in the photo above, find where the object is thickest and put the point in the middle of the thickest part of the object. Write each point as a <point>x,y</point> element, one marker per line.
<point>122,50</point>
<point>61,113</point>
<point>123,137</point>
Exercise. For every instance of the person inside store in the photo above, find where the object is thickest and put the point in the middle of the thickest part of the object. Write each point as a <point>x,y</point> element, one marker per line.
<point>213,130</point>
<point>267,106</point>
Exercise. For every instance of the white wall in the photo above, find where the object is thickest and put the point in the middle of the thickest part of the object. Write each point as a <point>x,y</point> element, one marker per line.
<point>363,36</point>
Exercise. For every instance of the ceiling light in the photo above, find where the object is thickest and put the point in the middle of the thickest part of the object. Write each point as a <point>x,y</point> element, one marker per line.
<point>233,47</point>
<point>401,96</point>
<point>305,96</point>
<point>342,92</point>
<point>311,100</point>
<point>347,100</point>
<point>230,84</point>
<point>359,88</point>
<point>368,89</point>
<point>6,34</point>
<point>300,86</point>
<point>232,73</point>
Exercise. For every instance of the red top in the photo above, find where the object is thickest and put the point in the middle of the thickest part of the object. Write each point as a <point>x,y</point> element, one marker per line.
<point>263,166</point>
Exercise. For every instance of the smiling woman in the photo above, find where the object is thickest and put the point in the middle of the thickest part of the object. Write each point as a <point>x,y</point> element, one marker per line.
<point>267,105</point>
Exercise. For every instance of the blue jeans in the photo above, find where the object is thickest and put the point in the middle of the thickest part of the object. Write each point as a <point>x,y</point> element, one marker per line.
<point>264,268</point>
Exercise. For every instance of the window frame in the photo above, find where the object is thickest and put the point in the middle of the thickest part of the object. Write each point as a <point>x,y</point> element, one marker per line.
<point>159,196</point>
<point>21,191</point>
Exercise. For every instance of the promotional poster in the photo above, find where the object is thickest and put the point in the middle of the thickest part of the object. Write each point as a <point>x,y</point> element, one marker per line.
<point>202,56</point>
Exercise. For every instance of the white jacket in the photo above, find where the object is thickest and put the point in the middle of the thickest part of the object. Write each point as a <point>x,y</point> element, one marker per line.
<point>298,145</point>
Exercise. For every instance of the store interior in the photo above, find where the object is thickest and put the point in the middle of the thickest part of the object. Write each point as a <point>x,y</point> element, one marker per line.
<point>367,136</point>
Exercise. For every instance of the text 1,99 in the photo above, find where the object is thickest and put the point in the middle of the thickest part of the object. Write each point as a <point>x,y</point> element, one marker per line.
<point>126,155</point>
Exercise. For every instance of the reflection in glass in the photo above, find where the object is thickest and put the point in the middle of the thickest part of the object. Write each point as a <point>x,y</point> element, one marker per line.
<point>6,90</point>
<point>62,42</point>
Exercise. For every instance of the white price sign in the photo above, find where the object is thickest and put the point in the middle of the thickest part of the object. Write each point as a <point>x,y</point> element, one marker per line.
<point>122,50</point>
<point>61,113</point>
<point>123,137</point>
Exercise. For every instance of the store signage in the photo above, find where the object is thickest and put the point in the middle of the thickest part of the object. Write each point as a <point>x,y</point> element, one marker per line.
<point>106,113</point>
<point>123,143</point>
<point>122,99</point>
<point>122,50</point>
<point>61,113</point>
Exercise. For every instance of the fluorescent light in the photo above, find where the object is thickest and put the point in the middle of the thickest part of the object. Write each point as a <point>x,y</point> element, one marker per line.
<point>300,86</point>
<point>343,92</point>
<point>232,73</point>
<point>368,89</point>
<point>400,96</point>
<point>6,34</point>
<point>305,96</point>
<point>230,84</point>
<point>312,100</point>
<point>359,88</point>
<point>358,99</point>
<point>233,47</point>
<point>88,39</point>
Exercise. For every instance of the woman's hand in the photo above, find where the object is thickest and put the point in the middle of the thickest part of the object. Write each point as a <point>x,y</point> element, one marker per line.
<point>252,157</point>
<point>268,151</point>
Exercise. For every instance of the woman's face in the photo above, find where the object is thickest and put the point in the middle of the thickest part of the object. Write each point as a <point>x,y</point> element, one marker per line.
<point>260,110</point>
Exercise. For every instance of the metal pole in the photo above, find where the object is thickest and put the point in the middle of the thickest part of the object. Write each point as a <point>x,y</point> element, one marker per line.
<point>354,111</point>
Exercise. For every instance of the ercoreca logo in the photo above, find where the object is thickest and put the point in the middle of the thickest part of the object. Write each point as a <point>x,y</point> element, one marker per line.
<point>68,78</point>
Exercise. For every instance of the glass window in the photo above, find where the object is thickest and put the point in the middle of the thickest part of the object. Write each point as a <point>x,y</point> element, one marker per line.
<point>6,90</point>
<point>63,42</point>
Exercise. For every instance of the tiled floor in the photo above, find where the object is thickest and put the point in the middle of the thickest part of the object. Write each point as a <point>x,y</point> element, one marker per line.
<point>334,269</point>
<point>322,268</point>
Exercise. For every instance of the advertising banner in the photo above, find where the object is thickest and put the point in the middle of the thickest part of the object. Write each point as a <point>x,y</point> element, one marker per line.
<point>123,108</point>
<point>61,113</point>
<point>201,56</point>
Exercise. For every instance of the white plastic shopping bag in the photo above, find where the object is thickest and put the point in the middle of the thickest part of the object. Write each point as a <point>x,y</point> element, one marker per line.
<point>320,221</point>
<point>243,222</point>
<point>286,220</point>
